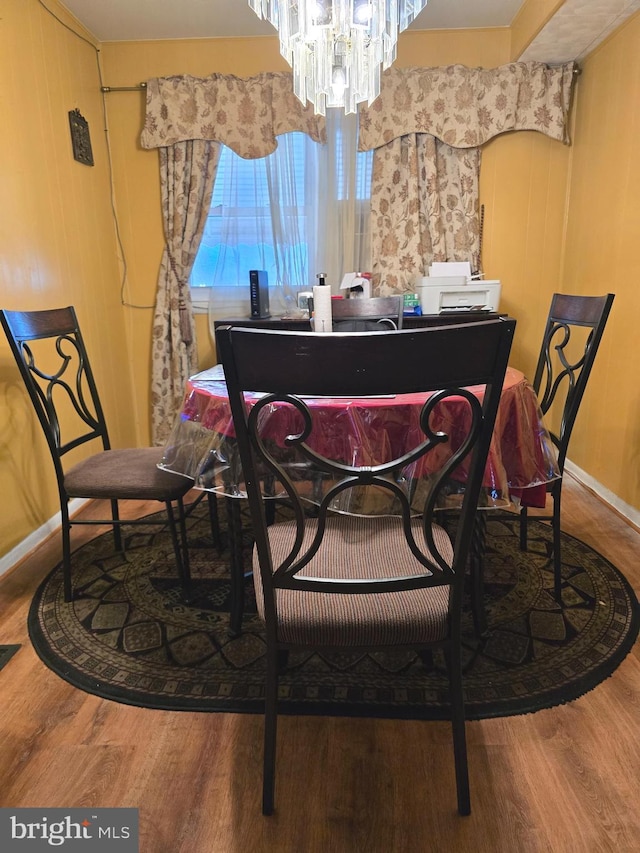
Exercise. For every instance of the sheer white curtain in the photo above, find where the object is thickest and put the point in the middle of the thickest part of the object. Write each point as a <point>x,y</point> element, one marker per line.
<point>320,215</point>
<point>343,199</point>
<point>310,206</point>
<point>292,180</point>
<point>238,235</point>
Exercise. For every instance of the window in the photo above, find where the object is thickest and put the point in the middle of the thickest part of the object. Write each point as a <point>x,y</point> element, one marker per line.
<point>239,234</point>
<point>287,213</point>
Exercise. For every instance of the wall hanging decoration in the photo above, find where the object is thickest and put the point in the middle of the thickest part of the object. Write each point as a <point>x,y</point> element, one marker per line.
<point>80,139</point>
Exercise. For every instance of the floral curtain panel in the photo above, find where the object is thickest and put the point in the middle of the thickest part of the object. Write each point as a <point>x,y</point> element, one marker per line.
<point>424,208</point>
<point>246,115</point>
<point>186,119</point>
<point>187,173</point>
<point>427,128</point>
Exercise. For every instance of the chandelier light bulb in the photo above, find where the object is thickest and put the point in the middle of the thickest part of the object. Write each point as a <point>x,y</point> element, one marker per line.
<point>338,83</point>
<point>362,12</point>
<point>338,49</point>
<point>320,12</point>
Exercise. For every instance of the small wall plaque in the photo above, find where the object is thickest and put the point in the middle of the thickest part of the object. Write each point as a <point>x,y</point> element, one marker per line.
<point>80,139</point>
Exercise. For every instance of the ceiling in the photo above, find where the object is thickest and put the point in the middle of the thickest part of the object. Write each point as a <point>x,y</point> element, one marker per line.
<point>577,28</point>
<point>132,20</point>
<point>573,32</point>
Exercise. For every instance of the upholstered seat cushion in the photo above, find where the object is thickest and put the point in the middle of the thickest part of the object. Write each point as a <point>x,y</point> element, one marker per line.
<point>358,547</point>
<point>125,474</point>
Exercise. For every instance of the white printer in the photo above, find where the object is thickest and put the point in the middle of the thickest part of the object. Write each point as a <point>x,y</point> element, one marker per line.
<point>449,287</point>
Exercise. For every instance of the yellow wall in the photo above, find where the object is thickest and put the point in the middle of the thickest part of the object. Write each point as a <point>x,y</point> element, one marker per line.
<point>523,181</point>
<point>57,242</point>
<point>486,48</point>
<point>601,255</point>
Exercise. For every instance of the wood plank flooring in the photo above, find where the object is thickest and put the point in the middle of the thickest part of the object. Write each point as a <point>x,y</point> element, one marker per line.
<point>565,779</point>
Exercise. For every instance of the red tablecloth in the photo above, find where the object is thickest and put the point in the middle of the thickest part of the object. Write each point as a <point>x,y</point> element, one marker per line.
<point>367,431</point>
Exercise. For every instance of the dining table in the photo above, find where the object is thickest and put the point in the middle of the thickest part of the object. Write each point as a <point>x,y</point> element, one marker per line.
<point>522,459</point>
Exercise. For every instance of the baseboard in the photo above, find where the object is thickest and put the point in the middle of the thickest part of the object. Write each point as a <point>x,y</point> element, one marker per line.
<point>624,510</point>
<point>35,539</point>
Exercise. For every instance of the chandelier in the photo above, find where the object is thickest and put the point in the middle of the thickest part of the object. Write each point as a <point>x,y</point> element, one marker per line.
<point>338,48</point>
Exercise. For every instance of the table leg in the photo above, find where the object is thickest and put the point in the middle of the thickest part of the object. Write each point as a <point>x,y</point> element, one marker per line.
<point>212,501</point>
<point>269,505</point>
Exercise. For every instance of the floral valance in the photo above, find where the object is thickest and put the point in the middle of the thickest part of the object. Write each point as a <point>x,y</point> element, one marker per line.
<point>245,114</point>
<point>465,107</point>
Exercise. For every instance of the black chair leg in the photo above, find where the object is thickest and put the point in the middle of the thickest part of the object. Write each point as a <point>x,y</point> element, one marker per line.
<point>186,563</point>
<point>117,528</point>
<point>557,547</point>
<point>554,518</point>
<point>523,528</point>
<point>426,656</point>
<point>270,729</point>
<point>270,511</point>
<point>181,553</point>
<point>236,561</point>
<point>476,560</point>
<point>459,732</point>
<point>283,661</point>
<point>66,554</point>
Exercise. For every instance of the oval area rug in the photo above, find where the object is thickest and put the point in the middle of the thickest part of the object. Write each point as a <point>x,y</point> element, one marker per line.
<point>129,637</point>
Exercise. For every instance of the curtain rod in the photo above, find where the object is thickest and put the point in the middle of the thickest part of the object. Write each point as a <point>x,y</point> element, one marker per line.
<point>139,88</point>
<point>142,86</point>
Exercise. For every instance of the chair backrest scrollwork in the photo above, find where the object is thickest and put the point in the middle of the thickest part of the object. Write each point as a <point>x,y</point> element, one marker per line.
<point>566,358</point>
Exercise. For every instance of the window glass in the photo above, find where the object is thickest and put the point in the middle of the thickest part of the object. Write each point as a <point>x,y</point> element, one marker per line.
<point>241,234</point>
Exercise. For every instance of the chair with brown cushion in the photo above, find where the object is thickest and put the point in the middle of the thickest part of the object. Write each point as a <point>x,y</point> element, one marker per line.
<point>570,342</point>
<point>367,314</point>
<point>358,314</point>
<point>52,358</point>
<point>333,581</point>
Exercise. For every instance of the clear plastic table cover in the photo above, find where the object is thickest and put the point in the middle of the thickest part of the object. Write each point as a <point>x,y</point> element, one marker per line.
<point>364,431</point>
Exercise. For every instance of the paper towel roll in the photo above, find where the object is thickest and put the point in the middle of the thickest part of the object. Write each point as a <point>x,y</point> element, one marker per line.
<point>322,321</point>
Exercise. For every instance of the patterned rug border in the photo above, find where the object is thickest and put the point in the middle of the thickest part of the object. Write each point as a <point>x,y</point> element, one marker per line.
<point>225,702</point>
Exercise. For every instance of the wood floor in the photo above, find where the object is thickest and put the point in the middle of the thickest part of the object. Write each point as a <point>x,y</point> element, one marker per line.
<point>563,780</point>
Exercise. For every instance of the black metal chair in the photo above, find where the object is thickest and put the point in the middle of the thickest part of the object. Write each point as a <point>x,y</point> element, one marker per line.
<point>357,314</point>
<point>335,581</point>
<point>362,314</point>
<point>564,365</point>
<point>52,358</point>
